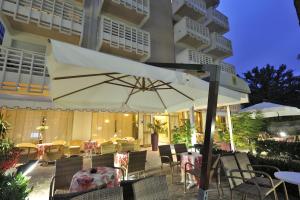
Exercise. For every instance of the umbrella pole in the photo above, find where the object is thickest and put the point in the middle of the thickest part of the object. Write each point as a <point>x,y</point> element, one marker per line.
<point>230,129</point>
<point>209,132</point>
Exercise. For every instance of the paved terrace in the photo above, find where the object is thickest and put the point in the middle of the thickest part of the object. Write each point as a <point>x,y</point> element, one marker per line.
<point>40,179</point>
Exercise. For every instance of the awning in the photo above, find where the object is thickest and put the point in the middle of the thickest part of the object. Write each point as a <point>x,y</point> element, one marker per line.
<point>272,110</point>
<point>85,79</point>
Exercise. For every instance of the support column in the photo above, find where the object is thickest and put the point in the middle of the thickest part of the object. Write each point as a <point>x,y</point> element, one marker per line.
<point>141,128</point>
<point>192,122</point>
<point>230,128</point>
<point>209,132</point>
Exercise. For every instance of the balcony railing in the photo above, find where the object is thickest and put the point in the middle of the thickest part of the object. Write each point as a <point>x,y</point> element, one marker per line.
<point>212,3</point>
<point>60,16</point>
<point>120,39</point>
<point>190,56</point>
<point>20,68</point>
<point>134,11</point>
<point>194,9</point>
<point>190,33</point>
<point>226,67</point>
<point>216,21</point>
<point>220,47</point>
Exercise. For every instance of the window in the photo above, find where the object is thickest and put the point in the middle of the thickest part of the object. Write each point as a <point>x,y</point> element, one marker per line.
<point>2,32</point>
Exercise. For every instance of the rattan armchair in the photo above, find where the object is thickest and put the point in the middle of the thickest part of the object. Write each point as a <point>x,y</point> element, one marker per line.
<point>239,184</point>
<point>53,153</point>
<point>64,172</point>
<point>166,157</point>
<point>214,171</point>
<point>136,163</point>
<point>244,164</point>
<point>106,160</point>
<point>180,148</point>
<point>151,188</point>
<point>28,152</point>
<point>115,193</point>
<point>108,147</point>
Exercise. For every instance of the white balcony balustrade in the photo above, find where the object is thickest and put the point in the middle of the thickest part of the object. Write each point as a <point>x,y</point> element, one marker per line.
<point>190,33</point>
<point>194,9</point>
<point>122,40</point>
<point>57,19</point>
<point>190,56</point>
<point>216,21</point>
<point>226,67</point>
<point>220,47</point>
<point>134,11</point>
<point>22,70</point>
<point>212,3</point>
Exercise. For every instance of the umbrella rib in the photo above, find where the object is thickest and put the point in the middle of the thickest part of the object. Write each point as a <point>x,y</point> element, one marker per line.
<point>131,93</point>
<point>171,87</point>
<point>138,80</point>
<point>83,76</point>
<point>85,88</point>
<point>158,95</point>
<point>130,84</point>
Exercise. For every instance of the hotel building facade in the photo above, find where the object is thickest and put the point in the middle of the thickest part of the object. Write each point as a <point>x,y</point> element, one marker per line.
<point>162,31</point>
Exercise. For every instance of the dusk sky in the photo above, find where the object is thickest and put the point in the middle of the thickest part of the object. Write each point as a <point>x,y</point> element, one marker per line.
<point>263,32</point>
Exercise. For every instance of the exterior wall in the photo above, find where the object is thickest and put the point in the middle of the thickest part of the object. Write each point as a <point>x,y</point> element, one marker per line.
<point>161,29</point>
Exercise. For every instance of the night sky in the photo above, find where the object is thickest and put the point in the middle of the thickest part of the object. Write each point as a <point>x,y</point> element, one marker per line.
<point>263,32</point>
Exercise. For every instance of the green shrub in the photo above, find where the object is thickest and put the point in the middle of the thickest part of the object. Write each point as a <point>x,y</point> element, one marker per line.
<point>183,134</point>
<point>273,148</point>
<point>13,187</point>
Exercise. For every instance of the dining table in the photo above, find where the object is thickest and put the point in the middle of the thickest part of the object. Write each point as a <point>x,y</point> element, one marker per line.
<point>90,146</point>
<point>92,178</point>
<point>41,148</point>
<point>195,159</point>
<point>289,177</point>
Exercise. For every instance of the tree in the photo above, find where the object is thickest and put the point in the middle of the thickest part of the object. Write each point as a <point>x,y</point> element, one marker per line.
<point>273,85</point>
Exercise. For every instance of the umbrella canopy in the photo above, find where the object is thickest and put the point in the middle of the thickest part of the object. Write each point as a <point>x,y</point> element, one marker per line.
<point>85,79</point>
<point>272,110</point>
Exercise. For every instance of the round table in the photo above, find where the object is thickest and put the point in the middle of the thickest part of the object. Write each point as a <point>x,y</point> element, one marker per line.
<point>90,146</point>
<point>289,177</point>
<point>85,180</point>
<point>194,158</point>
<point>41,149</point>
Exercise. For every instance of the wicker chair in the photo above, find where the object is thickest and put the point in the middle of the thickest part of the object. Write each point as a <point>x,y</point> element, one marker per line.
<point>180,148</point>
<point>108,147</point>
<point>238,183</point>
<point>214,171</point>
<point>53,153</point>
<point>106,160</point>
<point>151,188</point>
<point>136,163</point>
<point>29,152</point>
<point>166,157</point>
<point>244,164</point>
<point>64,172</point>
<point>115,193</point>
<point>126,146</point>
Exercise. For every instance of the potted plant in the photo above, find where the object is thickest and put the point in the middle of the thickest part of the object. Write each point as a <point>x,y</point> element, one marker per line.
<point>4,126</point>
<point>183,133</point>
<point>156,128</point>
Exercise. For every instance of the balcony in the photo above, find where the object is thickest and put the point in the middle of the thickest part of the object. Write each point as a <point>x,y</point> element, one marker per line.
<point>226,67</point>
<point>216,21</point>
<point>22,71</point>
<point>122,40</point>
<point>189,33</point>
<point>134,11</point>
<point>194,9</point>
<point>220,47</point>
<point>189,56</point>
<point>212,3</point>
<point>58,19</point>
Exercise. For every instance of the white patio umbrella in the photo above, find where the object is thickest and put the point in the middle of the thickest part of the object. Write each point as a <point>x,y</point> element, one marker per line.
<point>85,79</point>
<point>272,110</point>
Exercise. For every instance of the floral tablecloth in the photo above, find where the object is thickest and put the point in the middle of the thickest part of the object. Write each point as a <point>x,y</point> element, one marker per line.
<point>90,145</point>
<point>85,180</point>
<point>121,159</point>
<point>41,148</point>
<point>194,158</point>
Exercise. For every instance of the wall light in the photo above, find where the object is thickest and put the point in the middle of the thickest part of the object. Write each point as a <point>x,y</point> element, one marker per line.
<point>126,115</point>
<point>282,134</point>
<point>106,121</point>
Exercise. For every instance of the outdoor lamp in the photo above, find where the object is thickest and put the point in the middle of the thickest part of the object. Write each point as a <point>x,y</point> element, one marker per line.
<point>282,134</point>
<point>27,167</point>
